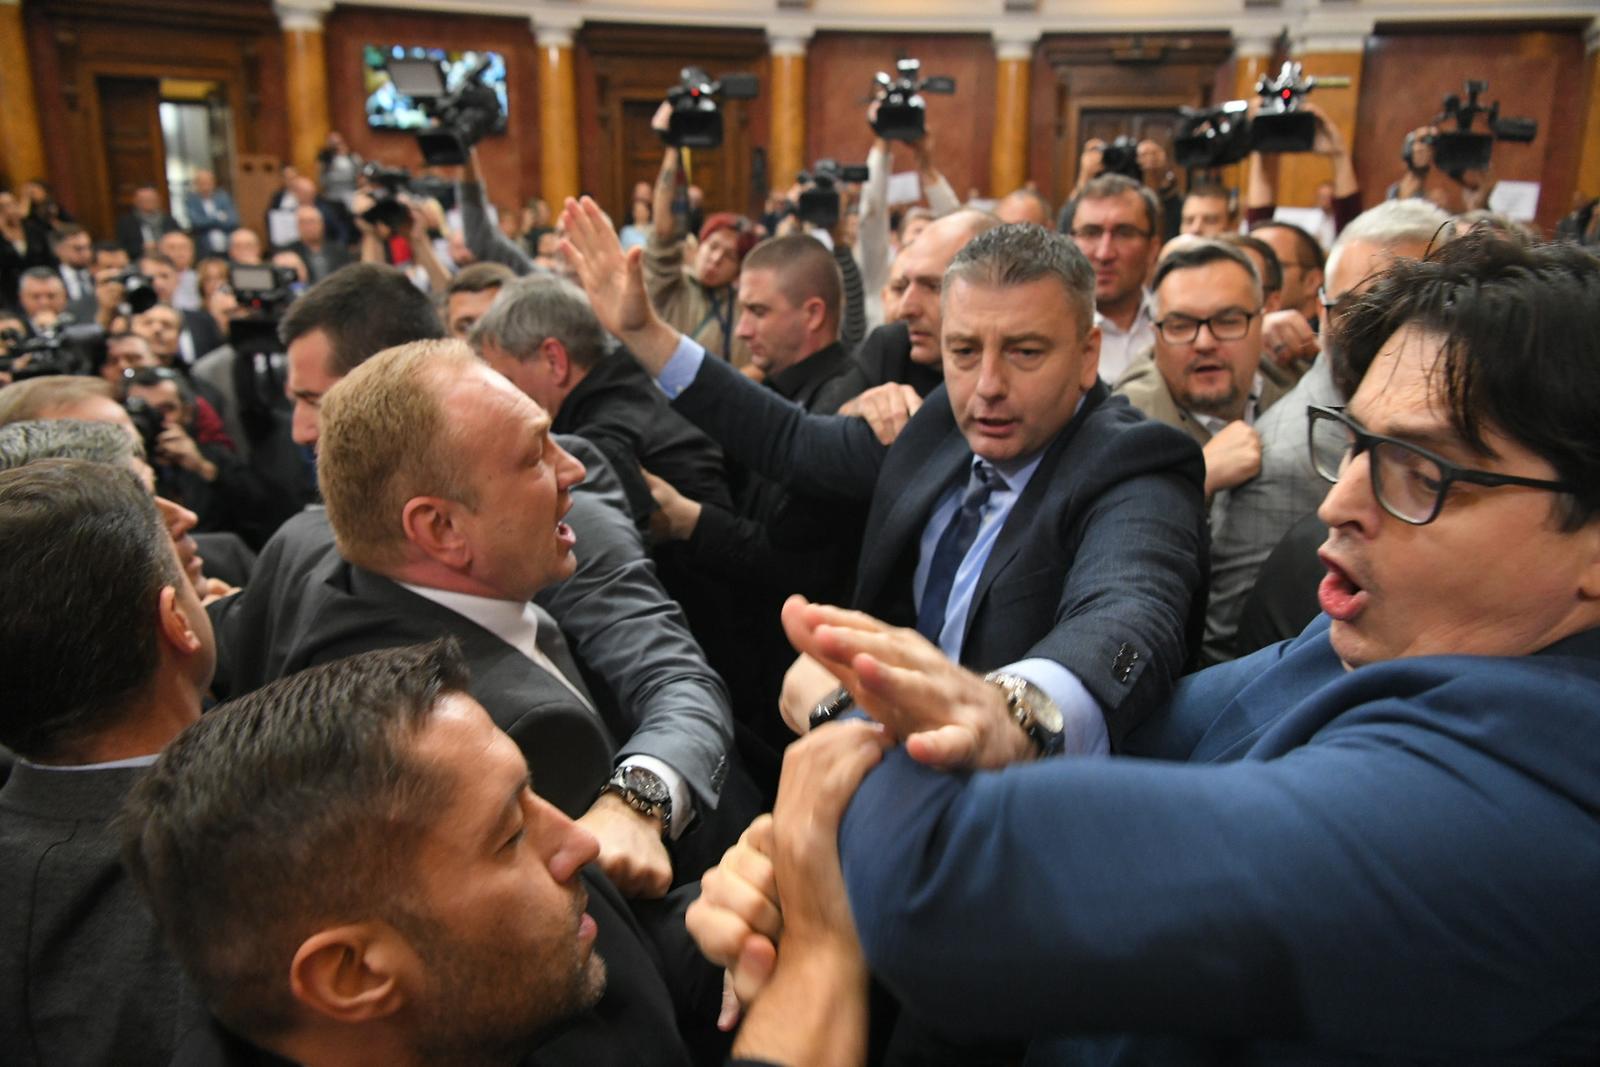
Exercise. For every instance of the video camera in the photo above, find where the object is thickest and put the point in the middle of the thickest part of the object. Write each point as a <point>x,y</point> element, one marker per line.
<point>1459,150</point>
<point>695,120</point>
<point>1122,157</point>
<point>461,118</point>
<point>819,199</point>
<point>1217,136</point>
<point>67,347</point>
<point>902,113</point>
<point>147,420</point>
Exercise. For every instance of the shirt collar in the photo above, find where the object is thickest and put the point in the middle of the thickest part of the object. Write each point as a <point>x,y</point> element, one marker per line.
<point>508,620</point>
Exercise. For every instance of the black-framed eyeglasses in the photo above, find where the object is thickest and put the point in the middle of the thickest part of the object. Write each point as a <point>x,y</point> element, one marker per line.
<point>1123,234</point>
<point>1229,324</point>
<point>1409,483</point>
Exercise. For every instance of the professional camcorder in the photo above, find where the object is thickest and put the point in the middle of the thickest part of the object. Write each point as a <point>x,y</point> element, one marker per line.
<point>387,208</point>
<point>1217,136</point>
<point>819,197</point>
<point>67,347</point>
<point>461,118</point>
<point>696,120</point>
<point>902,113</point>
<point>1122,157</point>
<point>1462,149</point>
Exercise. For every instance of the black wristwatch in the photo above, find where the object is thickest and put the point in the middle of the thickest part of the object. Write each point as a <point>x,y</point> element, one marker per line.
<point>831,707</point>
<point>644,792</point>
<point>1033,710</point>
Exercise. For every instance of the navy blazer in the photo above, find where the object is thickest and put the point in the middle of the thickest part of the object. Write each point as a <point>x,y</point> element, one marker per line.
<point>1317,865</point>
<point>1099,566</point>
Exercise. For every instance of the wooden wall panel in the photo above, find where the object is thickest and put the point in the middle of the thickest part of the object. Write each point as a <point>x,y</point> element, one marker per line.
<point>840,68</point>
<point>510,161</point>
<point>1408,72</point>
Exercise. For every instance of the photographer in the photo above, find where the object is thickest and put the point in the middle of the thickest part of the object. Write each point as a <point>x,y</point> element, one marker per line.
<point>700,301</point>
<point>1475,185</point>
<point>200,469</point>
<point>874,253</point>
<point>405,245</point>
<point>1261,190</point>
<point>840,237</point>
<point>484,239</point>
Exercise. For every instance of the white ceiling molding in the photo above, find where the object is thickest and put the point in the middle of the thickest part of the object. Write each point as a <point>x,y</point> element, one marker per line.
<point>299,15</point>
<point>1317,25</point>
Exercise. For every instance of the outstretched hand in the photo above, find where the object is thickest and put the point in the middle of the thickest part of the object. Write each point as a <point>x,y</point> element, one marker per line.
<point>614,279</point>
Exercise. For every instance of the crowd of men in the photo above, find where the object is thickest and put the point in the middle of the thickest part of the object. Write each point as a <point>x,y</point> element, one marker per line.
<point>967,634</point>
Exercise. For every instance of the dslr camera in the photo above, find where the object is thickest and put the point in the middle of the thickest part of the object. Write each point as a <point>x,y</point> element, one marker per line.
<point>1462,149</point>
<point>696,120</point>
<point>902,112</point>
<point>67,347</point>
<point>819,197</point>
<point>1122,157</point>
<point>461,118</point>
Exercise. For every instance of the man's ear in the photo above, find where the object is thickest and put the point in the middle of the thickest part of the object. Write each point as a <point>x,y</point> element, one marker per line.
<point>433,525</point>
<point>816,313</point>
<point>354,973</point>
<point>555,353</point>
<point>1091,359</point>
<point>176,629</point>
<point>1589,578</point>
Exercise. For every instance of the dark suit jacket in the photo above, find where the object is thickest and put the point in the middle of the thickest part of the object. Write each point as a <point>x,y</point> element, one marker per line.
<point>619,409</point>
<point>1390,864</point>
<point>131,237</point>
<point>334,256</point>
<point>84,975</point>
<point>1099,565</point>
<point>885,356</point>
<point>202,330</point>
<point>306,605</point>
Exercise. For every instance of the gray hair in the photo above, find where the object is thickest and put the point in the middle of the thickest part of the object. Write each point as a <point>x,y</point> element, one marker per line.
<point>530,309</point>
<point>1022,252</point>
<point>1391,223</point>
<point>21,443</point>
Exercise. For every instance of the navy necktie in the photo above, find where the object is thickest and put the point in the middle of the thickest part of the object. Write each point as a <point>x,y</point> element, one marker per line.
<point>952,548</point>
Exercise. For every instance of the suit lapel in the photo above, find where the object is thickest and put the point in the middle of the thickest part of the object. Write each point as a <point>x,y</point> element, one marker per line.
<point>896,537</point>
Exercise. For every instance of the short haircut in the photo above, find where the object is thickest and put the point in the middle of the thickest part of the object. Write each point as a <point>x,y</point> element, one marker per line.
<point>1110,187</point>
<point>383,440</point>
<point>42,274</point>
<point>66,230</point>
<point>1272,276</point>
<point>536,307</point>
<point>294,808</point>
<point>1209,191</point>
<point>109,248</point>
<point>1019,253</point>
<point>364,308</point>
<point>37,397</point>
<point>1310,255</point>
<point>480,278</point>
<point>1203,254</point>
<point>803,268</point>
<point>83,559</point>
<point>158,257</point>
<point>1521,353</point>
<point>22,443</point>
<point>1034,195</point>
<point>149,377</point>
<point>1391,223</point>
<point>911,214</point>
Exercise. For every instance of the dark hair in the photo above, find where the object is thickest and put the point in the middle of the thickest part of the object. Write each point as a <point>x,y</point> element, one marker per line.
<point>1202,254</point>
<point>1272,276</point>
<point>480,278</point>
<point>108,246</point>
<point>149,377</point>
<point>1521,347</point>
<point>158,257</point>
<point>363,308</point>
<point>803,269</point>
<point>64,231</point>
<point>42,274</point>
<point>292,807</point>
<point>83,558</point>
<point>1210,191</point>
<point>1109,187</point>
<point>1311,256</point>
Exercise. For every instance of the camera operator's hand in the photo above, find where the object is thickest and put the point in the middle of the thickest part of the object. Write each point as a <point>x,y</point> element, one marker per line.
<point>1476,187</point>
<point>662,119</point>
<point>1421,141</point>
<point>176,448</point>
<point>1328,141</point>
<point>1091,162</point>
<point>108,293</point>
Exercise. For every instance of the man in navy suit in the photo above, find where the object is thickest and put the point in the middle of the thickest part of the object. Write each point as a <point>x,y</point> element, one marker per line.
<point>1377,841</point>
<point>1024,520</point>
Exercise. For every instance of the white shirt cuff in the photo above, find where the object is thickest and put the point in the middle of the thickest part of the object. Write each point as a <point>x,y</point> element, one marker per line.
<point>680,371</point>
<point>1083,724</point>
<point>682,799</point>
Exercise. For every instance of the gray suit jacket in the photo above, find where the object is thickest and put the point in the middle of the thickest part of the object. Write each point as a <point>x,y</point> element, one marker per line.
<point>1146,390</point>
<point>84,975</point>
<point>305,605</point>
<point>1261,510</point>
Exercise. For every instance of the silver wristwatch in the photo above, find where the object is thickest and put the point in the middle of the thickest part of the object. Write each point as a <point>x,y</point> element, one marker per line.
<point>644,792</point>
<point>1033,710</point>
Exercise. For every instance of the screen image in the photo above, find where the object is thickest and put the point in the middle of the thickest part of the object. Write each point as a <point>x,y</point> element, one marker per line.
<point>391,110</point>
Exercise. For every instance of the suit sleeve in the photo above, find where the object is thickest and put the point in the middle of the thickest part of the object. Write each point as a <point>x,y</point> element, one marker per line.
<point>626,628</point>
<point>818,455</point>
<point>1308,897</point>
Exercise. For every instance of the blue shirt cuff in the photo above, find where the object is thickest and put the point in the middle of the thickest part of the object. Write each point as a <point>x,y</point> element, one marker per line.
<point>1083,723</point>
<point>680,371</point>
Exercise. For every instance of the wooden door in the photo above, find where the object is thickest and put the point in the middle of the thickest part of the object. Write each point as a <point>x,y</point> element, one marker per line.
<point>131,125</point>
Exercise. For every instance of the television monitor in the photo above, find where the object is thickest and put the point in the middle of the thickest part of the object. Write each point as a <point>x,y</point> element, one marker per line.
<point>389,109</point>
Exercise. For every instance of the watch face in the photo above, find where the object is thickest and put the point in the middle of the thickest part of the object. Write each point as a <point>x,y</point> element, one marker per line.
<point>645,784</point>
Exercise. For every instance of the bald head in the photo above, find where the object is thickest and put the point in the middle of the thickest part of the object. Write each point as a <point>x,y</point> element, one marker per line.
<point>1024,205</point>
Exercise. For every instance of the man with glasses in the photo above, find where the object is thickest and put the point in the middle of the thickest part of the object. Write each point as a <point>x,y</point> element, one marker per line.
<point>1376,842</point>
<point>1204,377</point>
<point>1262,511</point>
<point>1116,222</point>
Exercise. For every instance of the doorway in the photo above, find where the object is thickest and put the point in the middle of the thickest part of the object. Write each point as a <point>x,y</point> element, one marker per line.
<point>160,131</point>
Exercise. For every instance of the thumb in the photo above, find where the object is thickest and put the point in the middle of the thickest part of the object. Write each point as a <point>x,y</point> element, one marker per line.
<point>947,747</point>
